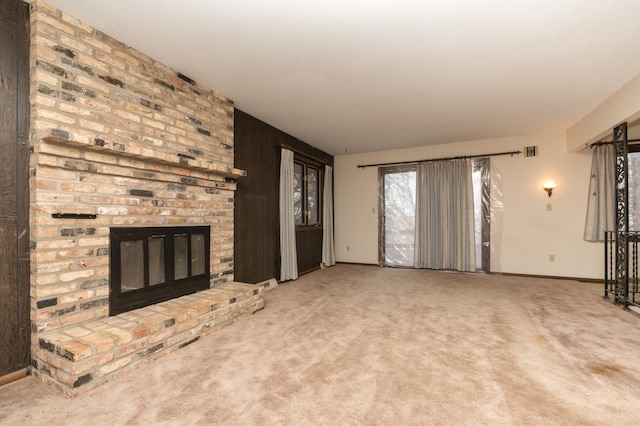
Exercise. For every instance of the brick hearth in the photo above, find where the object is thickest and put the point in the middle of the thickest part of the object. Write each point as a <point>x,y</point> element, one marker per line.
<point>82,356</point>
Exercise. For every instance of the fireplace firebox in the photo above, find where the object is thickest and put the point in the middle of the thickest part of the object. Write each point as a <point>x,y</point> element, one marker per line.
<point>153,264</point>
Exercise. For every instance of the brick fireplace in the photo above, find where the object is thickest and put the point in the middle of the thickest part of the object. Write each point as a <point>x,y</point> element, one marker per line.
<point>120,140</point>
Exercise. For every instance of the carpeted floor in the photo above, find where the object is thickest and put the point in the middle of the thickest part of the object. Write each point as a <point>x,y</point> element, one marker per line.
<point>368,345</point>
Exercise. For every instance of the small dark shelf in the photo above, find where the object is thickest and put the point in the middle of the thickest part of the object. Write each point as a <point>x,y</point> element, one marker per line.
<point>73,216</point>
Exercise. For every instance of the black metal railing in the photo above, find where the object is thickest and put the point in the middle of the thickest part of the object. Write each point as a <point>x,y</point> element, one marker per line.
<point>622,280</point>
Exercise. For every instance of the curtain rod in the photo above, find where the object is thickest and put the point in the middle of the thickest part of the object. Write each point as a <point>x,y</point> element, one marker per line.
<point>460,157</point>
<point>631,141</point>
<point>297,151</point>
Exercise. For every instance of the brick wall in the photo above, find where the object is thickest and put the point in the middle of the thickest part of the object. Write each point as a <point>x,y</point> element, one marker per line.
<point>117,135</point>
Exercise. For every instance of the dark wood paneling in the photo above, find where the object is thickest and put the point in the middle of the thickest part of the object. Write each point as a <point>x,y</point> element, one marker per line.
<point>8,136</point>
<point>14,186</point>
<point>256,201</point>
<point>8,114</point>
<point>22,183</point>
<point>9,327</point>
<point>257,224</point>
<point>8,11</point>
<point>24,41</point>
<point>309,249</point>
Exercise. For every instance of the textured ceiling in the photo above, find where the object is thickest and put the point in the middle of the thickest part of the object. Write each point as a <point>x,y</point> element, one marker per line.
<point>367,75</point>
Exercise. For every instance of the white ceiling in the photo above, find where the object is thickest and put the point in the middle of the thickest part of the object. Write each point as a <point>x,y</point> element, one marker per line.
<point>367,75</point>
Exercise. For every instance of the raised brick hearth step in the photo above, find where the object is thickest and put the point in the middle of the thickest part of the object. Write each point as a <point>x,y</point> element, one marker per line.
<point>80,357</point>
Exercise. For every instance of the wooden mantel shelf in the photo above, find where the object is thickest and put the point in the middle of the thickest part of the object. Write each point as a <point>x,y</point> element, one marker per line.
<point>143,152</point>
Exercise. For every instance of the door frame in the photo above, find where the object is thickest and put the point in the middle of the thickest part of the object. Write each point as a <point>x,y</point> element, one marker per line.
<point>382,171</point>
<point>484,165</point>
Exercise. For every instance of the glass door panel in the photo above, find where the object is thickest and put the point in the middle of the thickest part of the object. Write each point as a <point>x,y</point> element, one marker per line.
<point>156,260</point>
<point>397,216</point>
<point>132,265</point>
<point>197,254</point>
<point>181,256</point>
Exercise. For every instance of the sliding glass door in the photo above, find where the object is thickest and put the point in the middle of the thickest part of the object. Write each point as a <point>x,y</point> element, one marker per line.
<point>397,209</point>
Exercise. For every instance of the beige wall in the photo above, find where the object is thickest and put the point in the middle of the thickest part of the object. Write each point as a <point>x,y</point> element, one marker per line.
<point>623,105</point>
<point>524,232</point>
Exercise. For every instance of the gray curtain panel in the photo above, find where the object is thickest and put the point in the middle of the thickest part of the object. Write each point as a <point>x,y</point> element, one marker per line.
<point>288,256</point>
<point>445,232</point>
<point>601,206</point>
<point>328,246</point>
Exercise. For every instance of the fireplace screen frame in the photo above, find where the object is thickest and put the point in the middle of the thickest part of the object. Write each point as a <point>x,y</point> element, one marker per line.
<point>123,300</point>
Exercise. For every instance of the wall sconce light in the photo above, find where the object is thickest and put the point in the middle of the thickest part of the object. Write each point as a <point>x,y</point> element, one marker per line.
<point>549,186</point>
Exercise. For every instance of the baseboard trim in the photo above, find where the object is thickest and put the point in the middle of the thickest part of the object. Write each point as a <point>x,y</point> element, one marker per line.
<point>308,271</point>
<point>12,377</point>
<point>550,277</point>
<point>357,264</point>
<point>510,274</point>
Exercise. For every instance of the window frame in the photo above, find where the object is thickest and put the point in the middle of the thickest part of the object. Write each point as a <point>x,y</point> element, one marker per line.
<point>307,163</point>
<point>632,149</point>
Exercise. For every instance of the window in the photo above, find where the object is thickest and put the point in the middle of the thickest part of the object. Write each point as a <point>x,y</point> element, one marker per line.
<point>307,187</point>
<point>633,185</point>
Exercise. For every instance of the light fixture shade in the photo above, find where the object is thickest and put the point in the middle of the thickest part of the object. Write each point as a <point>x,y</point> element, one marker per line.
<point>548,186</point>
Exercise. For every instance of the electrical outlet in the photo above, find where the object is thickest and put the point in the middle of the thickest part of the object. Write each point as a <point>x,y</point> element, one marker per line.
<point>348,248</point>
<point>552,258</point>
<point>549,207</point>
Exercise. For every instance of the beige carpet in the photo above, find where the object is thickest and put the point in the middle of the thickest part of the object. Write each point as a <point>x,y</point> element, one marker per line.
<point>367,345</point>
